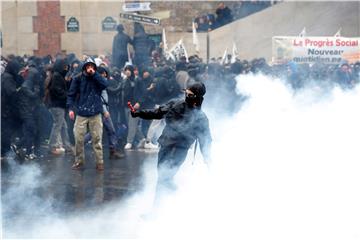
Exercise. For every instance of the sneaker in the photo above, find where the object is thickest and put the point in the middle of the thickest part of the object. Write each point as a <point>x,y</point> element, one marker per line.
<point>19,152</point>
<point>77,166</point>
<point>57,151</point>
<point>14,148</point>
<point>128,146</point>
<point>141,143</point>
<point>150,145</point>
<point>100,166</point>
<point>61,149</point>
<point>30,157</point>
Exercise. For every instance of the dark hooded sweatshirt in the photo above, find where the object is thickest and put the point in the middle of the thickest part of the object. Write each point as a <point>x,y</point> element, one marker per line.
<point>57,85</point>
<point>84,95</point>
<point>30,92</point>
<point>10,84</point>
<point>183,125</point>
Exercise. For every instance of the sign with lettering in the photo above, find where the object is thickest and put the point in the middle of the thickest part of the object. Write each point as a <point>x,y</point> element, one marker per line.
<point>140,18</point>
<point>109,24</point>
<point>72,25</point>
<point>136,6</point>
<point>328,50</point>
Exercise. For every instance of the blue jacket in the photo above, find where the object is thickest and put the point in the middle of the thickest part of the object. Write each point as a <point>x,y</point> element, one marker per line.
<point>84,96</point>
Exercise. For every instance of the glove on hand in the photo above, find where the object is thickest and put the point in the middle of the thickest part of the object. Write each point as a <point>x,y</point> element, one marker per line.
<point>135,114</point>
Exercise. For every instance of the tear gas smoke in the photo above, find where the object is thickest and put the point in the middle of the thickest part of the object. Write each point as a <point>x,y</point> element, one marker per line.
<point>286,166</point>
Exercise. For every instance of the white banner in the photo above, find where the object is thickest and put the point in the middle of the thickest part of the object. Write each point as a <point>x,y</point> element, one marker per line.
<point>136,6</point>
<point>195,38</point>
<point>235,53</point>
<point>328,50</point>
<point>179,50</point>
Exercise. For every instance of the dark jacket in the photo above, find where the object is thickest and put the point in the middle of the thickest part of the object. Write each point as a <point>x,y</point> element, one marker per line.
<point>57,86</point>
<point>114,92</point>
<point>84,95</point>
<point>142,95</point>
<point>141,45</point>
<point>128,88</point>
<point>119,48</point>
<point>10,84</point>
<point>223,16</point>
<point>184,125</point>
<point>166,87</point>
<point>30,92</point>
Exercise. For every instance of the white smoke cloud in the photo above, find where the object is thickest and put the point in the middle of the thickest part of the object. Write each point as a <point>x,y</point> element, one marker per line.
<point>284,167</point>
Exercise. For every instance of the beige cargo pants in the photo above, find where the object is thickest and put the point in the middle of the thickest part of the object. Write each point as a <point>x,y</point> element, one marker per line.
<point>96,130</point>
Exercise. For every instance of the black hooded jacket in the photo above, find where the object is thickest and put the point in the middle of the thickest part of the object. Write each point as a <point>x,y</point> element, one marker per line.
<point>84,95</point>
<point>141,44</point>
<point>57,86</point>
<point>10,84</point>
<point>30,92</point>
<point>142,94</point>
<point>184,125</point>
<point>119,47</point>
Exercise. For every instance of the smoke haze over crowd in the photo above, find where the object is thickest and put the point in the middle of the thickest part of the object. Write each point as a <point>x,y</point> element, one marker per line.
<point>285,166</point>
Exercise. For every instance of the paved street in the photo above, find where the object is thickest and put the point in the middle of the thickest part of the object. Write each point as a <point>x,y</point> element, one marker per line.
<point>30,189</point>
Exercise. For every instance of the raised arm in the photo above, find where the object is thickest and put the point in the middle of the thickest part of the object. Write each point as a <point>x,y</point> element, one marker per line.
<point>72,94</point>
<point>157,113</point>
<point>101,81</point>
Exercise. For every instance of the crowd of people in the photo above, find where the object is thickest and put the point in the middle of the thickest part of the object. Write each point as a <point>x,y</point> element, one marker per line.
<point>42,96</point>
<point>208,22</point>
<point>224,15</point>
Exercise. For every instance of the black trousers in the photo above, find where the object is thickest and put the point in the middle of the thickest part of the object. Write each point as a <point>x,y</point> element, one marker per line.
<point>170,158</point>
<point>8,129</point>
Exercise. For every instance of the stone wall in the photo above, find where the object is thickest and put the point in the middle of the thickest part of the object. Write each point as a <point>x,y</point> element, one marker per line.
<point>253,35</point>
<point>17,27</point>
<point>39,27</point>
<point>31,27</point>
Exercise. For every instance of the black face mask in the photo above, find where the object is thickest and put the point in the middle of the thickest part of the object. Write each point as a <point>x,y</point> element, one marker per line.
<point>190,100</point>
<point>193,101</point>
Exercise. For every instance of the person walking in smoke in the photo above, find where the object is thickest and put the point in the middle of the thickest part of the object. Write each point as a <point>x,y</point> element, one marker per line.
<point>185,124</point>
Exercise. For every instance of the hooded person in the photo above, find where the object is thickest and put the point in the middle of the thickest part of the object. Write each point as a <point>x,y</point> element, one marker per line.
<point>84,98</point>
<point>142,45</point>
<point>144,98</point>
<point>57,90</point>
<point>107,120</point>
<point>185,124</point>
<point>120,47</point>
<point>166,86</point>
<point>29,103</point>
<point>11,81</point>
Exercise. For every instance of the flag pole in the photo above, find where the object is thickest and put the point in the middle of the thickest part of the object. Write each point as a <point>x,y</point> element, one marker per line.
<point>207,48</point>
